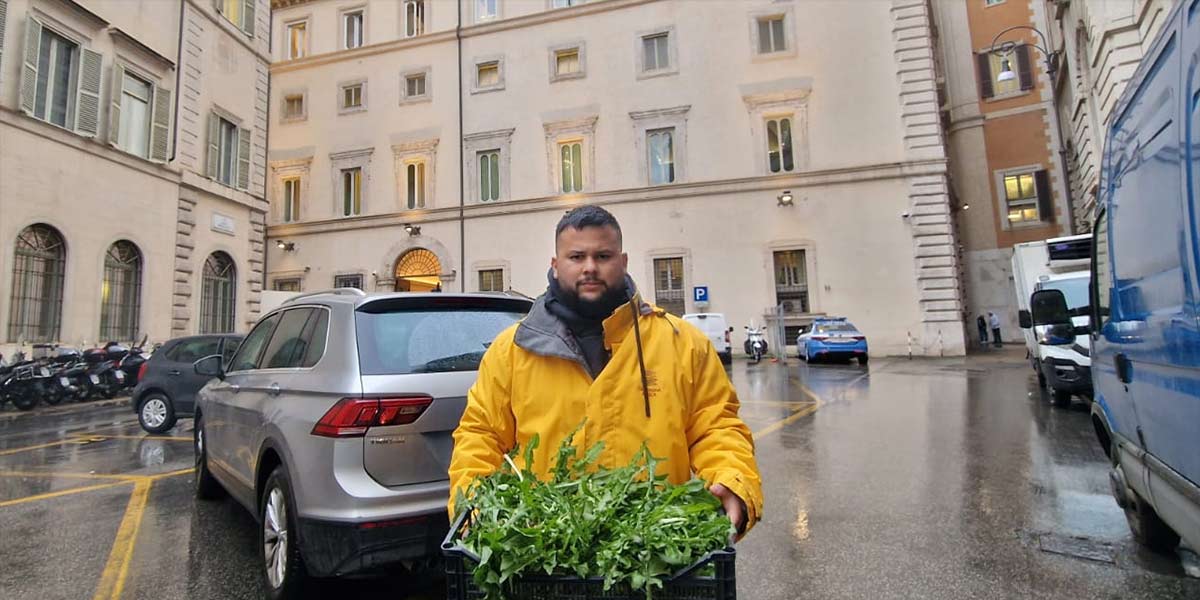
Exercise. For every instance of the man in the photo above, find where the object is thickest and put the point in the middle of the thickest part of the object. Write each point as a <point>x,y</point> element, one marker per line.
<point>982,326</point>
<point>994,321</point>
<point>590,347</point>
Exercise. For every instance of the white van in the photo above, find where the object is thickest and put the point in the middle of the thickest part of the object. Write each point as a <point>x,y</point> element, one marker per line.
<point>714,326</point>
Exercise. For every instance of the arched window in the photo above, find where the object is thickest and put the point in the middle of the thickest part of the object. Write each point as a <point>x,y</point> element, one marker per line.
<point>35,307</point>
<point>418,271</point>
<point>218,294</point>
<point>121,295</point>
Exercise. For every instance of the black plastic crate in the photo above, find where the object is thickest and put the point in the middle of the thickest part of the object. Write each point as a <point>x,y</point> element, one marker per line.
<point>687,584</point>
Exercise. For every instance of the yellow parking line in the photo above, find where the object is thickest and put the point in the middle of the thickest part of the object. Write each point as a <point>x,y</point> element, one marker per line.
<point>66,492</point>
<point>70,475</point>
<point>133,437</point>
<point>9,451</point>
<point>772,428</point>
<point>169,474</point>
<point>112,579</point>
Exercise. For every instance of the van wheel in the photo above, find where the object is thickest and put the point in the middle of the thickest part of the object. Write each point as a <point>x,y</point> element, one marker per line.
<point>1147,528</point>
<point>1060,398</point>
<point>1041,379</point>
<point>206,486</point>
<point>283,572</point>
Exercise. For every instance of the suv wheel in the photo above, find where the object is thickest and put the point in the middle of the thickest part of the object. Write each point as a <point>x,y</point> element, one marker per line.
<point>207,486</point>
<point>156,413</point>
<point>283,570</point>
<point>1147,527</point>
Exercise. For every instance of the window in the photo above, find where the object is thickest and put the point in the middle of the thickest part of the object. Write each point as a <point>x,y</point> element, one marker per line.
<point>414,18</point>
<point>415,177</point>
<point>121,293</point>
<point>780,153</point>
<point>250,349</point>
<point>414,85</point>
<point>566,62</point>
<point>352,97</point>
<point>238,12</point>
<point>491,280</point>
<point>992,2</point>
<point>134,123</point>
<point>571,163</point>
<point>291,284</point>
<point>1027,197</point>
<point>660,149</point>
<point>228,347</point>
<point>771,35</point>
<point>566,3</point>
<point>217,294</point>
<point>791,281</point>
<point>291,199</point>
<point>351,192</point>
<point>227,151</point>
<point>315,333</point>
<point>348,281</point>
<point>287,346</point>
<point>352,29</point>
<point>1101,272</point>
<point>55,92</point>
<point>668,284</point>
<point>297,40</point>
<point>656,52</point>
<point>401,341</point>
<point>489,175</point>
<point>293,107</point>
<point>35,303</point>
<point>486,9</point>
<point>487,75</point>
<point>1015,64</point>
<point>190,351</point>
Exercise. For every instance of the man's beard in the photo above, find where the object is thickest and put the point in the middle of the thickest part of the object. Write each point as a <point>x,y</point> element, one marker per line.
<point>599,308</point>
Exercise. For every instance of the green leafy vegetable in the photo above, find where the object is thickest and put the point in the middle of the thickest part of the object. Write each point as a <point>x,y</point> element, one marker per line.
<point>626,525</point>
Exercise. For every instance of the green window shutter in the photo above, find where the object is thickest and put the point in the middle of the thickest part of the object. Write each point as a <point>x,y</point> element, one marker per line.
<point>114,105</point>
<point>1024,67</point>
<point>87,102</point>
<point>214,145</point>
<point>1045,201</point>
<point>29,71</point>
<point>3,25</point>
<point>248,17</point>
<point>243,174</point>
<point>160,125</point>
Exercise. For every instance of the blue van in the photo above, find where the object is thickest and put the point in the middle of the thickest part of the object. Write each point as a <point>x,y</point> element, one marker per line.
<point>1146,291</point>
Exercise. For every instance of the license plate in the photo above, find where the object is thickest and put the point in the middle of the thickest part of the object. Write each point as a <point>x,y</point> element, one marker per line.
<point>843,340</point>
<point>95,379</point>
<point>120,375</point>
<point>64,382</point>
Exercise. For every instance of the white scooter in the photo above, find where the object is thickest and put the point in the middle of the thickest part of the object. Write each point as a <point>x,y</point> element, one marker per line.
<point>756,343</point>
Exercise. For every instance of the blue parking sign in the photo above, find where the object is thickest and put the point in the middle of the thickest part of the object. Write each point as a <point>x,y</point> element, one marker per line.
<point>700,293</point>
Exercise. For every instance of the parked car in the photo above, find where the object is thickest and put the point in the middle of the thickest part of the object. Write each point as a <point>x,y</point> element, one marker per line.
<point>167,383</point>
<point>718,331</point>
<point>1145,345</point>
<point>832,337</point>
<point>333,424</point>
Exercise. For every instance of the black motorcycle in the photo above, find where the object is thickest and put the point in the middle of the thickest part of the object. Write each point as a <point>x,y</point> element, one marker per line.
<point>131,364</point>
<point>66,377</point>
<point>24,383</point>
<point>103,378</point>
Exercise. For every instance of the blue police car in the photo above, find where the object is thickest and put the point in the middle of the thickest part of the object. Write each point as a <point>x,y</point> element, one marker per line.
<point>832,337</point>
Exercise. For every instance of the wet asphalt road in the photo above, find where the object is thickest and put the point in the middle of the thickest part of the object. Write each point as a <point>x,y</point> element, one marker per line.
<point>950,478</point>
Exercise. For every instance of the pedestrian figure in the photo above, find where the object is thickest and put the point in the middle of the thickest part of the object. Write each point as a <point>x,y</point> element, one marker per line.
<point>981,323</point>
<point>994,321</point>
<point>591,347</point>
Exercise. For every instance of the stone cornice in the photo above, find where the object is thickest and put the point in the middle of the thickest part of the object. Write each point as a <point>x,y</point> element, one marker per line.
<point>487,135</point>
<point>849,175</point>
<point>674,111</point>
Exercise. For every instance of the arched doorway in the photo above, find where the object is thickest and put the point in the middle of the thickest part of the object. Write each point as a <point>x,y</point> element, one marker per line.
<point>418,270</point>
<point>35,309</point>
<point>121,294</point>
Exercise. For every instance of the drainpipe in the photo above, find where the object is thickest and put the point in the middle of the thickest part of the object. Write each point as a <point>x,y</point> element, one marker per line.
<point>266,166</point>
<point>178,77</point>
<point>462,224</point>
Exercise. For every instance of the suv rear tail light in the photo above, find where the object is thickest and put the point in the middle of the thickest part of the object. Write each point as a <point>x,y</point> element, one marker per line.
<point>142,371</point>
<point>351,417</point>
<point>820,338</point>
<point>860,337</point>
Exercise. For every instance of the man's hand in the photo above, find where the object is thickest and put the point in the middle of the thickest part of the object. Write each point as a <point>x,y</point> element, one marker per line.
<point>735,508</point>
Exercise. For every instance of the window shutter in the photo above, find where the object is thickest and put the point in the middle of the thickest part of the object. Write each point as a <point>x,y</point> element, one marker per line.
<point>1024,69</point>
<point>3,24</point>
<point>243,178</point>
<point>248,17</point>
<point>214,145</point>
<point>1041,180</point>
<point>160,125</point>
<point>114,105</point>
<point>87,103</point>
<point>29,71</point>
<point>985,75</point>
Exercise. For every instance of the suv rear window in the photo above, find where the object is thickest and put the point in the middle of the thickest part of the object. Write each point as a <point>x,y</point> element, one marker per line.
<point>396,340</point>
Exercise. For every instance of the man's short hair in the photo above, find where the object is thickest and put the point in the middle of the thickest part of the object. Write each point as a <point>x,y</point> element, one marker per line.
<point>588,215</point>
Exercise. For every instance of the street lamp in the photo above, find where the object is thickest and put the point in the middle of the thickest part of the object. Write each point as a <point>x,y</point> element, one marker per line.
<point>1005,49</point>
<point>285,246</point>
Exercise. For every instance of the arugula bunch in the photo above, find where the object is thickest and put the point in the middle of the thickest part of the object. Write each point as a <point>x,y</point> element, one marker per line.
<point>627,525</point>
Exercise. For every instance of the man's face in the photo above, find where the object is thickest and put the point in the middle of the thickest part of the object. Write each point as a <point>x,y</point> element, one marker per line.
<point>589,261</point>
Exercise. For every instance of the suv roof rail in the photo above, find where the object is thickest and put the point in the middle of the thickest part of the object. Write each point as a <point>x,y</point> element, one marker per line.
<point>346,291</point>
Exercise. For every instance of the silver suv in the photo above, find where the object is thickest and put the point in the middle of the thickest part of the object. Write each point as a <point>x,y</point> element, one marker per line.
<point>332,424</point>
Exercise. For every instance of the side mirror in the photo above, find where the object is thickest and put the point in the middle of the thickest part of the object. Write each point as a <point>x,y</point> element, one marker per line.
<point>1024,319</point>
<point>1049,307</point>
<point>210,366</point>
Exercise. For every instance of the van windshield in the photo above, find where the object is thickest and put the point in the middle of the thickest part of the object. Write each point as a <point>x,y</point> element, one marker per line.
<point>1076,291</point>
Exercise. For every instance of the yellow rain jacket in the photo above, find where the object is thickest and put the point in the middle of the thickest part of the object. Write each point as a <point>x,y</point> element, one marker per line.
<point>534,380</point>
